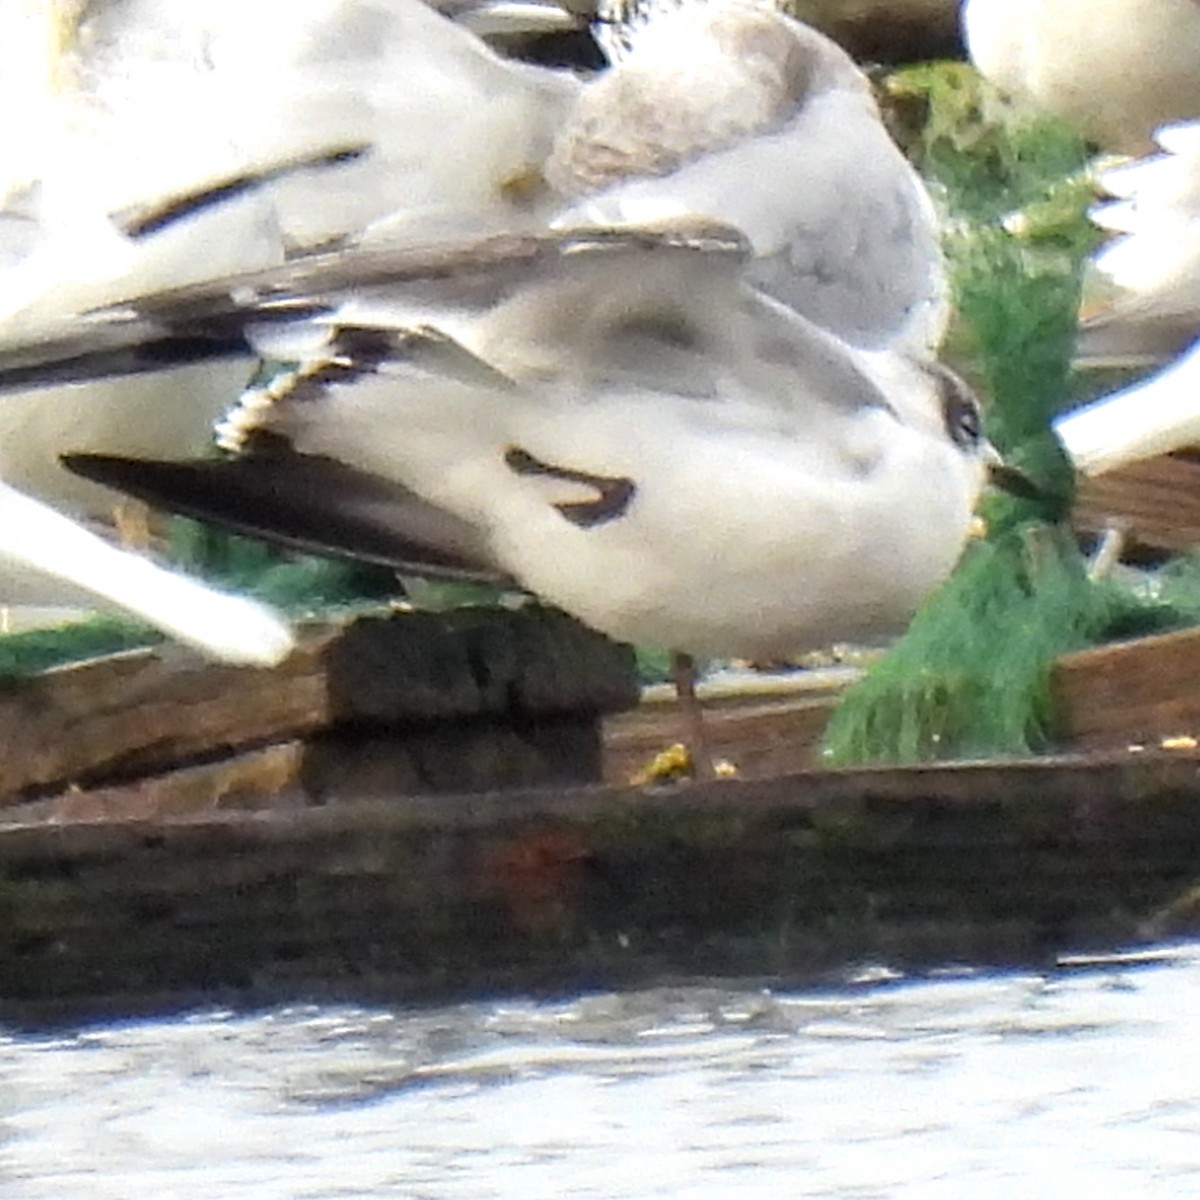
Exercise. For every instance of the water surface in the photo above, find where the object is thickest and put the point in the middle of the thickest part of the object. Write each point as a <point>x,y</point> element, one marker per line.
<point>1081,1082</point>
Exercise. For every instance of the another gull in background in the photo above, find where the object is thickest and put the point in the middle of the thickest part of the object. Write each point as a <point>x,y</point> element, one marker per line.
<point>732,112</point>
<point>1115,69</point>
<point>375,107</point>
<point>126,111</point>
<point>1152,269</point>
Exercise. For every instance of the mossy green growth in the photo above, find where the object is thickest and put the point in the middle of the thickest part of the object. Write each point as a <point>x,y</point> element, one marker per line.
<point>297,583</point>
<point>971,675</point>
<point>35,650</point>
<point>993,159</point>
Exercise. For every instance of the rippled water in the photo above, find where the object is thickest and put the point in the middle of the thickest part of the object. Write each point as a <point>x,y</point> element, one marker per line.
<point>1081,1082</point>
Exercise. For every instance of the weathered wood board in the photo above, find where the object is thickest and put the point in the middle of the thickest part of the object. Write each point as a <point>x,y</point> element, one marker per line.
<point>462,698</point>
<point>143,734</point>
<point>260,836</point>
<point>422,897</point>
<point>771,731</point>
<point>1157,502</point>
<point>1130,694</point>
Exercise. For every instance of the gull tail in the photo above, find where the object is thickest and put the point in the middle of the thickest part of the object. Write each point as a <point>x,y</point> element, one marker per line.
<point>1152,417</point>
<point>1117,337</point>
<point>35,537</point>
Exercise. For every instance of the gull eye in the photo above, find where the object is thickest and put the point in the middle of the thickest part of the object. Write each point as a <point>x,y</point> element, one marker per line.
<point>960,410</point>
<point>963,422</point>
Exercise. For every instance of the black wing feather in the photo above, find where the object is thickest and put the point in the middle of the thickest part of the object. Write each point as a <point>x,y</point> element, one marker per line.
<point>308,503</point>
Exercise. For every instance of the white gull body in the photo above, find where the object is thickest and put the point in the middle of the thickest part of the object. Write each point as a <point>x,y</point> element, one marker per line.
<point>618,423</point>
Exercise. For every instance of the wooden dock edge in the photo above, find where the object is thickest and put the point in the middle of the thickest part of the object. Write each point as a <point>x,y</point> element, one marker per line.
<point>788,880</point>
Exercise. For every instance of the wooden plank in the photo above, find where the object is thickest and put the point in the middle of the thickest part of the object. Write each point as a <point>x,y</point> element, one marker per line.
<point>266,778</point>
<point>142,733</point>
<point>1129,693</point>
<point>774,736</point>
<point>1157,501</point>
<point>147,711</point>
<point>444,896</point>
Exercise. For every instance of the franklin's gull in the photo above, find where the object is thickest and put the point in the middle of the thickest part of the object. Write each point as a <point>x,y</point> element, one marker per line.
<point>614,420</point>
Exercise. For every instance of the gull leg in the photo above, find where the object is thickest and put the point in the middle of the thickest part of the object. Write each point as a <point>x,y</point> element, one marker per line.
<point>683,675</point>
<point>1108,553</point>
<point>131,518</point>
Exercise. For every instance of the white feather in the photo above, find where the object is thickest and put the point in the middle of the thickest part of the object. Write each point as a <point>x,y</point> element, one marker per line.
<point>1152,417</point>
<point>1152,267</point>
<point>47,557</point>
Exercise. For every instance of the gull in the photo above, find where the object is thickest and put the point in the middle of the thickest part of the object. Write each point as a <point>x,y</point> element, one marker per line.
<point>1152,270</point>
<point>348,111</point>
<point>616,421</point>
<point>735,113</point>
<point>725,443</point>
<point>49,559</point>
<point>1151,267</point>
<point>152,99</point>
<point>1115,69</point>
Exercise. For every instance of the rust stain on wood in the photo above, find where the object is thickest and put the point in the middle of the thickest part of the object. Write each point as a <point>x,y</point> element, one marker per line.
<point>535,875</point>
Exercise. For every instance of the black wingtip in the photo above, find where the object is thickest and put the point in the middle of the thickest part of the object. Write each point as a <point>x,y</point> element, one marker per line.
<point>307,503</point>
<point>108,469</point>
<point>74,360</point>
